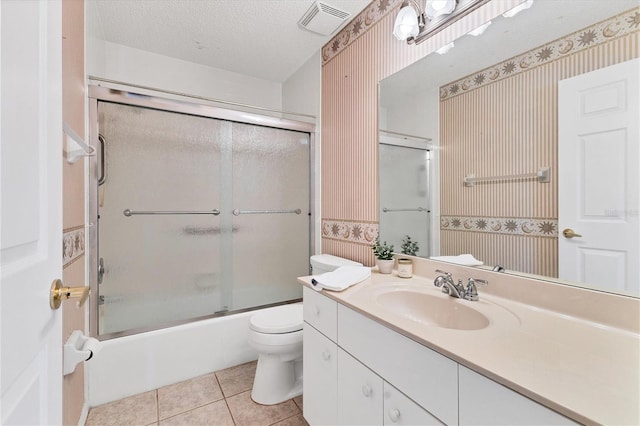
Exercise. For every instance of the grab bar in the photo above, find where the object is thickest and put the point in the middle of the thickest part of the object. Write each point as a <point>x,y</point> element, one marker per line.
<point>103,170</point>
<point>419,209</point>
<point>129,212</point>
<point>238,212</point>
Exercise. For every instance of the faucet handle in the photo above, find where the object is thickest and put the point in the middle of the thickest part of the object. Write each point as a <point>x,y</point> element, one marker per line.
<point>471,293</point>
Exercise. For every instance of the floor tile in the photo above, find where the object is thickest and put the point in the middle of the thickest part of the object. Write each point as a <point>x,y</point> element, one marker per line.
<point>237,379</point>
<point>293,421</point>
<point>187,395</point>
<point>139,409</point>
<point>245,412</point>
<point>298,401</point>
<point>214,414</point>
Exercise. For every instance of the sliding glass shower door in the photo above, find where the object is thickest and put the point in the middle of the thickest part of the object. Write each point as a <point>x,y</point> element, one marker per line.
<point>196,216</point>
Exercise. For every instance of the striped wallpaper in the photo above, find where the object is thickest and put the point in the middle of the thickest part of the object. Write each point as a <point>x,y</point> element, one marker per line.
<point>349,128</point>
<point>511,138</point>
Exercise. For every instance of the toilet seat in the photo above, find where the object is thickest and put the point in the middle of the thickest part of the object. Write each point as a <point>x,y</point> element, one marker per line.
<point>280,320</point>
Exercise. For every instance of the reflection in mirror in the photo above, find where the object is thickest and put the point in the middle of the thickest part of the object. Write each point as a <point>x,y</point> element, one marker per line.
<point>511,101</point>
<point>404,184</point>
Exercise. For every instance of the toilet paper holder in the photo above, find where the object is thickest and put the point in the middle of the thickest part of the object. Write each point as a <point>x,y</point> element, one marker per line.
<point>78,348</point>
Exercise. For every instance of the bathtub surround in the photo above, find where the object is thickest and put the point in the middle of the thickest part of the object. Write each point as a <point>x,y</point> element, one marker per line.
<point>353,63</point>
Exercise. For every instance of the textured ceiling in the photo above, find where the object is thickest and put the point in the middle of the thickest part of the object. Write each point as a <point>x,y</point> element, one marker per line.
<point>260,38</point>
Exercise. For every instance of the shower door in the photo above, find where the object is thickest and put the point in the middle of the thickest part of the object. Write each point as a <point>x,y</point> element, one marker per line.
<point>196,216</point>
<point>404,196</point>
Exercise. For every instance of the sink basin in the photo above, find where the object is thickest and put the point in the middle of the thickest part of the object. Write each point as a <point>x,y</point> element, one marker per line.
<point>432,309</point>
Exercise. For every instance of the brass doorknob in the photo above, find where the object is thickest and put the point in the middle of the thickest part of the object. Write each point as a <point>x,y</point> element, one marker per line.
<point>59,292</point>
<point>569,233</point>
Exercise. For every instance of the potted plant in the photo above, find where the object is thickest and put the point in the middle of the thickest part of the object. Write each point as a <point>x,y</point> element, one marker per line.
<point>409,247</point>
<point>405,266</point>
<point>384,256</point>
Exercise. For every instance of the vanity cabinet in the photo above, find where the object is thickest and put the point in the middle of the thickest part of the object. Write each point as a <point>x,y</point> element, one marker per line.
<point>358,371</point>
<point>320,355</point>
<point>483,401</point>
<point>422,374</point>
<point>339,389</point>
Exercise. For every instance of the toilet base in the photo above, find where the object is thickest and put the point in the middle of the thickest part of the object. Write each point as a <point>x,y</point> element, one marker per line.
<point>276,381</point>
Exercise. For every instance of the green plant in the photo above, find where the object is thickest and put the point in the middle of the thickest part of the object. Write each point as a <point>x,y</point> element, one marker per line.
<point>382,251</point>
<point>410,248</point>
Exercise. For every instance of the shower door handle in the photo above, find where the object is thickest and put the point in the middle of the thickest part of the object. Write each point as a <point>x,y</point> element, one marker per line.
<point>100,270</point>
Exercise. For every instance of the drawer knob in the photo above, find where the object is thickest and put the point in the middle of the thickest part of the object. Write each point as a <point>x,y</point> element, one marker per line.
<point>394,414</point>
<point>326,355</point>
<point>366,390</point>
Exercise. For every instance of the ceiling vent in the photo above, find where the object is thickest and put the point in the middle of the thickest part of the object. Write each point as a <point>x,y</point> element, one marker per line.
<point>323,19</point>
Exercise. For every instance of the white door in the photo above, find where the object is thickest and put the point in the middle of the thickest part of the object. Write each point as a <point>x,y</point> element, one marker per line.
<point>599,183</point>
<point>30,211</point>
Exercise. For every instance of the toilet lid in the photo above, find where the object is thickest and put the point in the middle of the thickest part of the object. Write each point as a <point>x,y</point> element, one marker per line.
<point>283,319</point>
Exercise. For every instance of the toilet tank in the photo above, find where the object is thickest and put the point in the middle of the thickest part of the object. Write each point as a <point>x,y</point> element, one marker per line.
<point>321,263</point>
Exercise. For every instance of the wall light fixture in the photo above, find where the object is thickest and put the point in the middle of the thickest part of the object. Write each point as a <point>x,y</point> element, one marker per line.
<point>419,19</point>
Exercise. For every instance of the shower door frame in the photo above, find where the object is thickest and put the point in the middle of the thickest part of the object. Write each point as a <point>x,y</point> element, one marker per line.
<point>181,104</point>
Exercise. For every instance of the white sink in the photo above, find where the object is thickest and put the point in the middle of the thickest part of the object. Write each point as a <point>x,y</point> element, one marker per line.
<point>433,308</point>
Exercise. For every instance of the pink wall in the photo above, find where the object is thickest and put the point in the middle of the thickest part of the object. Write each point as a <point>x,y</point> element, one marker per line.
<point>73,83</point>
<point>354,61</point>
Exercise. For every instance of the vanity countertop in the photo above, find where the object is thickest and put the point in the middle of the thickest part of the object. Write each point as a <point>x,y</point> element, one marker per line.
<point>585,370</point>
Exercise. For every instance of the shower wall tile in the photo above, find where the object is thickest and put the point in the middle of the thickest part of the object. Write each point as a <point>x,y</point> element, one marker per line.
<point>355,60</point>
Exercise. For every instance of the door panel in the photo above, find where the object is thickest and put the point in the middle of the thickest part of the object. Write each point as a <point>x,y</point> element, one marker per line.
<point>30,211</point>
<point>598,177</point>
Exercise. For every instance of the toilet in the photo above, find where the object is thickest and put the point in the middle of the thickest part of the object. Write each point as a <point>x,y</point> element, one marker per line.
<point>276,333</point>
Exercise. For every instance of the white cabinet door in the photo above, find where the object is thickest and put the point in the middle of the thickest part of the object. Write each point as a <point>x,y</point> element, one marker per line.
<point>320,372</point>
<point>359,393</point>
<point>400,410</point>
<point>424,375</point>
<point>485,402</point>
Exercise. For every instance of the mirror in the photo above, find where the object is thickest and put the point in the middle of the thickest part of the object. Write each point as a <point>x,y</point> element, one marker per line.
<point>489,108</point>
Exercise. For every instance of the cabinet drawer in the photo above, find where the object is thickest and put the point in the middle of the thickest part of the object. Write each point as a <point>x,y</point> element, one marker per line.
<point>422,374</point>
<point>400,410</point>
<point>359,393</point>
<point>320,372</point>
<point>320,312</point>
<point>483,401</point>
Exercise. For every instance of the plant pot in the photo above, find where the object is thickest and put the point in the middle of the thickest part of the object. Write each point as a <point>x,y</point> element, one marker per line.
<point>385,266</point>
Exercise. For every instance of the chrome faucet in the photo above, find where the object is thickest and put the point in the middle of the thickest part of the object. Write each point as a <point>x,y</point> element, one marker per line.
<point>448,285</point>
<point>458,290</point>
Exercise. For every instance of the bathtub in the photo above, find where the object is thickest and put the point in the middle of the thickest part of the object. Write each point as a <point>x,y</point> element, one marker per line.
<point>139,363</point>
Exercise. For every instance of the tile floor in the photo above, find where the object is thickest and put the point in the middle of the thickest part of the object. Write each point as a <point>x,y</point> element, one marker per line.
<point>220,398</point>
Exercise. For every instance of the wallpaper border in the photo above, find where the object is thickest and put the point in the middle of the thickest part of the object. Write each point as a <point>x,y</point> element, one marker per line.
<point>357,232</point>
<point>72,245</point>
<point>602,32</point>
<point>358,26</point>
<point>530,227</point>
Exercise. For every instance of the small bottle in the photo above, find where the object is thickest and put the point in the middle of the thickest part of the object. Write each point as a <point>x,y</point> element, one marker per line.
<point>405,268</point>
